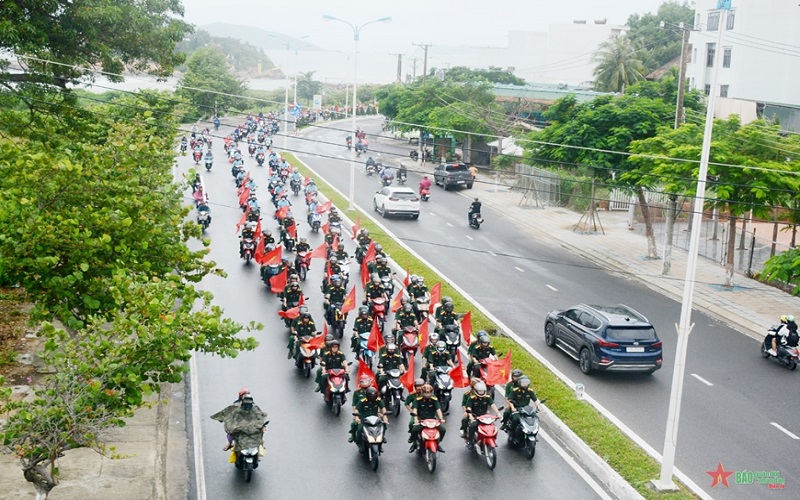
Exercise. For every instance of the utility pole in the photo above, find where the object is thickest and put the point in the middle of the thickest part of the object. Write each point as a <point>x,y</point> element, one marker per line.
<point>399,67</point>
<point>424,47</point>
<point>414,71</point>
<point>682,75</point>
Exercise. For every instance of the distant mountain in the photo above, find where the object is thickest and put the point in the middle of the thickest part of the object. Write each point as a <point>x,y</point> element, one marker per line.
<point>267,40</point>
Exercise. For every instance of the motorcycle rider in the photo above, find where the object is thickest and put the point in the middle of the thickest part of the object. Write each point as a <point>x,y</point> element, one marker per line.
<point>369,406</point>
<point>184,144</point>
<point>417,290</point>
<point>331,360</point>
<point>520,396</point>
<point>305,328</point>
<point>363,238</point>
<point>333,216</point>
<point>390,360</point>
<point>402,172</point>
<point>331,269</point>
<point>248,233</point>
<point>387,174</point>
<point>474,208</point>
<point>464,400</point>
<point>405,317</point>
<point>209,156</point>
<point>439,356</point>
<point>302,246</point>
<point>203,207</point>
<point>370,161</point>
<point>479,403</point>
<point>336,294</point>
<point>479,351</point>
<point>516,375</point>
<point>286,223</point>
<point>433,338</point>
<point>374,290</point>
<point>380,266</point>
<point>341,254</point>
<point>424,184</point>
<point>363,323</point>
<point>245,404</point>
<point>409,402</point>
<point>426,406</point>
<point>446,316</point>
<point>779,332</point>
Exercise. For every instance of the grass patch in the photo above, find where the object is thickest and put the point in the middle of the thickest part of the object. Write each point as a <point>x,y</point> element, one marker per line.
<point>630,461</point>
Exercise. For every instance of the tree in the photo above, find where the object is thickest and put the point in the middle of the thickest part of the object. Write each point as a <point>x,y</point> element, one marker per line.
<point>209,83</point>
<point>664,44</point>
<point>83,36</point>
<point>307,87</point>
<point>491,75</point>
<point>242,55</point>
<point>619,64</point>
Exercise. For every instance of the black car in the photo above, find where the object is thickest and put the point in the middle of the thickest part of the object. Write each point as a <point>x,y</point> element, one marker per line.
<point>607,338</point>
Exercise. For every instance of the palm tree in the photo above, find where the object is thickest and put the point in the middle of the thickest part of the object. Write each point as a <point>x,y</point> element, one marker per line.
<point>619,64</point>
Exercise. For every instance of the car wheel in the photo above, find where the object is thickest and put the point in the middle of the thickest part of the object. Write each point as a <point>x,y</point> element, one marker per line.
<point>585,360</point>
<point>375,205</point>
<point>383,211</point>
<point>550,334</point>
<point>415,216</point>
<point>444,186</point>
<point>469,186</point>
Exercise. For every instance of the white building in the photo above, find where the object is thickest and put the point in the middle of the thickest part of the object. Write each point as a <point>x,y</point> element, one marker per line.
<point>760,67</point>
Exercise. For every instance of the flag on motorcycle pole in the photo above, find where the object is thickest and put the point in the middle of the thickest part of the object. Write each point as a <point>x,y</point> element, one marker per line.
<point>397,301</point>
<point>319,252</point>
<point>243,196</point>
<point>356,227</point>
<point>293,229</point>
<point>281,213</point>
<point>259,254</point>
<point>364,274</point>
<point>321,209</point>
<point>317,342</point>
<point>436,296</point>
<point>326,228</point>
<point>258,229</point>
<point>294,311</point>
<point>349,302</point>
<point>458,375</point>
<point>306,180</point>
<point>498,370</point>
<point>244,218</point>
<point>335,243</point>
<point>407,279</point>
<point>407,379</point>
<point>423,334</point>
<point>364,371</point>
<point>369,255</point>
<point>375,340</point>
<point>466,327</point>
<point>278,281</point>
<point>328,271</point>
<point>273,257</point>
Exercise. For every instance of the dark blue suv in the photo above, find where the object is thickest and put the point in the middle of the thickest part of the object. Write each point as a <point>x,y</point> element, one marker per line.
<point>608,338</point>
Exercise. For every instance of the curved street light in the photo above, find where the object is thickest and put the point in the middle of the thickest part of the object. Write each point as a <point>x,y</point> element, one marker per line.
<point>356,34</point>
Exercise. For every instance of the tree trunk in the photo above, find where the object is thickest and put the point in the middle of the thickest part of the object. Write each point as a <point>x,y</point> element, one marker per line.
<point>666,265</point>
<point>729,259</point>
<point>42,478</point>
<point>652,250</point>
<point>468,149</point>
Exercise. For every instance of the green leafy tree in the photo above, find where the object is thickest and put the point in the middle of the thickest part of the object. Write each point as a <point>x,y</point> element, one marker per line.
<point>242,55</point>
<point>86,35</point>
<point>664,44</point>
<point>209,82</point>
<point>619,64</point>
<point>307,87</point>
<point>491,75</point>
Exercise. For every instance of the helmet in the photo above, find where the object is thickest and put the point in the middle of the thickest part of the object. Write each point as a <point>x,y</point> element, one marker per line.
<point>391,347</point>
<point>365,232</point>
<point>420,280</point>
<point>311,181</point>
<point>407,307</point>
<point>364,382</point>
<point>427,391</point>
<point>480,388</point>
<point>485,340</point>
<point>784,318</point>
<point>336,279</point>
<point>363,310</point>
<point>447,299</point>
<point>433,338</point>
<point>790,319</point>
<point>285,261</point>
<point>333,261</point>
<point>304,310</point>
<point>335,342</point>
<point>295,285</point>
<point>441,346</point>
<point>328,339</point>
<point>474,381</point>
<point>477,200</point>
<point>516,374</point>
<point>378,248</point>
<point>524,383</point>
<point>414,278</point>
<point>375,278</point>
<point>372,394</point>
<point>448,306</point>
<point>247,402</point>
<point>418,382</point>
<point>381,259</point>
<point>305,316</point>
<point>303,240</point>
<point>294,277</point>
<point>340,247</point>
<point>243,391</point>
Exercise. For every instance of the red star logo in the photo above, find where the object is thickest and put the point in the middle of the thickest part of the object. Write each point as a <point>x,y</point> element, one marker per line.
<point>720,475</point>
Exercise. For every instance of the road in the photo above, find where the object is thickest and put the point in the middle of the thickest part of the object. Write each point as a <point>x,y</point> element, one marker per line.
<point>731,396</point>
<point>307,449</point>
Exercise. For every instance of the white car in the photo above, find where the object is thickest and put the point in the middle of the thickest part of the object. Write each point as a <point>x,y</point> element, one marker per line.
<point>396,200</point>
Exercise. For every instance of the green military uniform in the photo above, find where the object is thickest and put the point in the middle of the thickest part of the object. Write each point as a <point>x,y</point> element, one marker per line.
<point>415,290</point>
<point>478,405</point>
<point>364,241</point>
<point>341,255</point>
<point>435,358</point>
<point>465,418</point>
<point>388,362</point>
<point>409,403</point>
<point>302,247</point>
<point>373,291</point>
<point>445,318</point>
<point>300,330</point>
<point>291,295</point>
<point>359,326</point>
<point>381,269</point>
<point>405,318</point>
<point>426,408</point>
<point>509,390</point>
<point>330,361</point>
<point>478,352</point>
<point>365,408</point>
<point>520,398</point>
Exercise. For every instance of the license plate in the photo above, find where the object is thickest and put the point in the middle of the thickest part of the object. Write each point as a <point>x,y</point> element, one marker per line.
<point>635,349</point>
<point>460,182</point>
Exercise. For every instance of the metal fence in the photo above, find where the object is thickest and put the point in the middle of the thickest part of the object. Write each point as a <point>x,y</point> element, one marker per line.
<point>540,187</point>
<point>621,199</point>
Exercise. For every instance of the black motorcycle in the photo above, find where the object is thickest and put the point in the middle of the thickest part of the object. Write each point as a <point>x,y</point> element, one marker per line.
<point>524,435</point>
<point>475,220</point>
<point>414,155</point>
<point>786,355</point>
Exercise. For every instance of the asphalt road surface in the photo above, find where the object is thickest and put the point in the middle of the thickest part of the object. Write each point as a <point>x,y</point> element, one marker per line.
<point>307,449</point>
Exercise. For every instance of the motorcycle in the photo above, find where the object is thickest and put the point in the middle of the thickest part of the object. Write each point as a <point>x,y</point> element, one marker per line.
<point>378,309</point>
<point>370,170</point>
<point>425,194</point>
<point>428,445</point>
<point>392,392</point>
<point>787,355</point>
<point>246,449</point>
<point>410,344</point>
<point>305,359</point>
<point>295,185</point>
<point>183,148</point>
<point>370,441</point>
<point>197,156</point>
<point>388,284</point>
<point>284,175</point>
<point>260,157</point>
<point>386,180</point>
<point>315,221</point>
<point>443,386</point>
<point>364,354</point>
<point>484,440</point>
<point>475,220</point>
<point>248,249</point>
<point>525,434</point>
<point>267,272</point>
<point>302,263</point>
<point>204,219</point>
<point>339,320</point>
<point>288,242</point>
<point>414,154</point>
<point>401,179</point>
<point>421,306</point>
<point>452,337</point>
<point>209,163</point>
<point>216,124</point>
<point>251,149</point>
<point>335,392</point>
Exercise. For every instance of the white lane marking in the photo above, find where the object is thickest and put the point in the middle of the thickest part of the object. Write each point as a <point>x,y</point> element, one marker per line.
<point>468,236</point>
<point>701,379</point>
<point>793,436</point>
<point>572,463</point>
<point>432,214</point>
<point>340,157</point>
<point>551,287</point>
<point>198,439</point>
<point>492,253</point>
<point>449,224</point>
<point>518,269</point>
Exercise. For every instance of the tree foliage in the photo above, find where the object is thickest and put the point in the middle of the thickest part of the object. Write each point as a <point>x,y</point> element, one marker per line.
<point>209,82</point>
<point>619,64</point>
<point>490,75</point>
<point>307,87</point>
<point>661,45</point>
<point>242,56</point>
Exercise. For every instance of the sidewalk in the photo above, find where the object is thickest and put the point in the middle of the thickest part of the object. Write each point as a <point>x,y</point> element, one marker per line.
<point>750,306</point>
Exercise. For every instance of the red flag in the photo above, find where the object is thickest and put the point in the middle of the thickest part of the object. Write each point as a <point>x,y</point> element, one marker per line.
<point>279,281</point>
<point>407,280</point>
<point>356,227</point>
<point>369,255</point>
<point>423,333</point>
<point>259,249</point>
<point>397,301</point>
<point>375,340</point>
<point>328,271</point>
<point>317,342</point>
<point>291,313</point>
<point>324,329</point>
<point>364,274</point>
<point>306,179</point>
<point>243,197</point>
<point>326,227</point>
<point>335,243</point>
<point>364,371</point>
<point>241,221</point>
<point>281,213</point>
<point>293,229</point>
<point>498,371</point>
<point>459,376</point>
<point>273,257</point>
<point>349,301</point>
<point>407,378</point>
<point>321,209</point>
<point>466,327</point>
<point>320,252</point>
<point>436,296</point>
<point>258,229</point>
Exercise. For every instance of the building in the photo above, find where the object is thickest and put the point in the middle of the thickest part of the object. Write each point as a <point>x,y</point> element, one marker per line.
<point>760,66</point>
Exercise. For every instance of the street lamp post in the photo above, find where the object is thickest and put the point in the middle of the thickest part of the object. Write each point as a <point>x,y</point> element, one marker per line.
<point>356,33</point>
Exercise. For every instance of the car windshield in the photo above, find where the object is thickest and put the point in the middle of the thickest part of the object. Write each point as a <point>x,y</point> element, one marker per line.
<point>457,168</point>
<point>404,195</point>
<point>631,333</point>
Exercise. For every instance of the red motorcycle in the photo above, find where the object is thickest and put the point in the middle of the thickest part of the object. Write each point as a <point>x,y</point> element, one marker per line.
<point>379,311</point>
<point>248,250</point>
<point>302,263</point>
<point>197,156</point>
<point>335,393</point>
<point>428,445</point>
<point>410,344</point>
<point>484,441</point>
<point>251,149</point>
<point>424,194</point>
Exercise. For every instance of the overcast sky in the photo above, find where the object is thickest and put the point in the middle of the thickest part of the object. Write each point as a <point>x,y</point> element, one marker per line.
<point>442,22</point>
